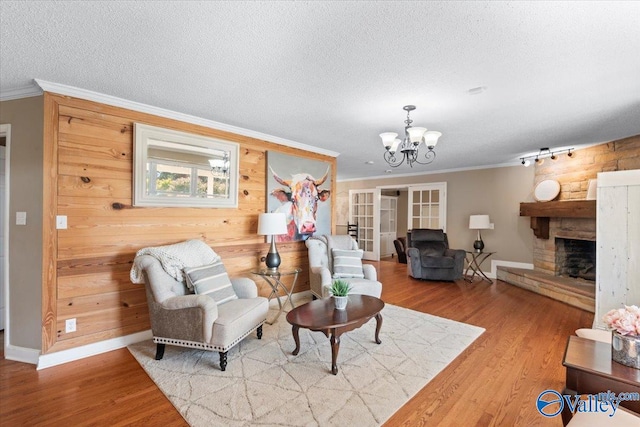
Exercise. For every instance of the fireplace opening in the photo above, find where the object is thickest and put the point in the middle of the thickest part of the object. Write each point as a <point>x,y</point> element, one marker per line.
<point>576,258</point>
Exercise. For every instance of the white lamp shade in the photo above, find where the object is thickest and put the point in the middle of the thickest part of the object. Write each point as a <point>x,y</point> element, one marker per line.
<point>272,223</point>
<point>415,134</point>
<point>216,163</point>
<point>479,222</point>
<point>388,138</point>
<point>394,145</point>
<point>431,138</point>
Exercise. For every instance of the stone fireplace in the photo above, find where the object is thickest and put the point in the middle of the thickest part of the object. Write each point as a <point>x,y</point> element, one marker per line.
<point>564,253</point>
<point>571,244</point>
<point>576,258</point>
<point>572,216</point>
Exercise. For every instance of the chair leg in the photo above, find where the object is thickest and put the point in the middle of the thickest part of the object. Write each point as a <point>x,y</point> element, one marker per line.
<point>223,360</point>
<point>259,331</point>
<point>159,351</point>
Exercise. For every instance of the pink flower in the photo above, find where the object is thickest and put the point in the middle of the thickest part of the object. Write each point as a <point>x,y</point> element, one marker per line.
<point>626,321</point>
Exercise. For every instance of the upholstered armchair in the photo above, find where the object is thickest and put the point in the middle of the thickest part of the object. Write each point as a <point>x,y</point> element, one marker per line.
<point>216,319</point>
<point>429,256</point>
<point>401,249</point>
<point>338,257</point>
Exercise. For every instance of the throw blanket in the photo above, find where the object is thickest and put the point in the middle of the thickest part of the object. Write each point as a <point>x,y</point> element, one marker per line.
<point>192,253</point>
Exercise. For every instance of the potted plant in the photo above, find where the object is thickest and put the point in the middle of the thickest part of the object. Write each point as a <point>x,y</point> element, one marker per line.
<point>340,291</point>
<point>625,340</point>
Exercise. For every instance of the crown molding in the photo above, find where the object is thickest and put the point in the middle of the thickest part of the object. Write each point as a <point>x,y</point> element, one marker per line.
<point>20,92</point>
<point>432,172</point>
<point>161,112</point>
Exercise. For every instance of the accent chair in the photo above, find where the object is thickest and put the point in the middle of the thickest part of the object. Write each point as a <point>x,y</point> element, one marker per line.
<point>429,256</point>
<point>214,320</point>
<point>334,257</point>
<point>401,249</point>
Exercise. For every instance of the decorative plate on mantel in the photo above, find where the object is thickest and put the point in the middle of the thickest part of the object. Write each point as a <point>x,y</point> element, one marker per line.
<point>546,190</point>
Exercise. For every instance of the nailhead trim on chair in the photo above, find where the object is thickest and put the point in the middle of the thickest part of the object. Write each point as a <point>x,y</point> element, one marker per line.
<point>202,345</point>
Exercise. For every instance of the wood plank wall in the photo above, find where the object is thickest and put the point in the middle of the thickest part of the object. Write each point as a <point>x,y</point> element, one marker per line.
<point>88,177</point>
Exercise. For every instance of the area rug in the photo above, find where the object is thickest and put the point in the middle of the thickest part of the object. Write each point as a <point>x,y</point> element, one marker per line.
<point>264,384</point>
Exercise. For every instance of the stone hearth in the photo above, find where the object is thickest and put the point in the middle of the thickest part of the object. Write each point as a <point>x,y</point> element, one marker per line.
<point>552,271</point>
<point>573,291</point>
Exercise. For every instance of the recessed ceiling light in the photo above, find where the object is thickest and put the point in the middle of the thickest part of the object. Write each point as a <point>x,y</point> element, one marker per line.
<point>477,90</point>
<point>368,162</point>
<point>388,171</point>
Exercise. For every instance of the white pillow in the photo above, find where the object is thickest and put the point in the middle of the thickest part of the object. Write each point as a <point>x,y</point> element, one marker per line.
<point>347,263</point>
<point>211,280</point>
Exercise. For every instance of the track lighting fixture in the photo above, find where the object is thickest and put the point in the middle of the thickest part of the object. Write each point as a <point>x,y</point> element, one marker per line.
<point>544,153</point>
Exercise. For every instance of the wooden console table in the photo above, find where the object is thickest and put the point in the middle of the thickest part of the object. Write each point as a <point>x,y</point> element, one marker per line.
<point>590,370</point>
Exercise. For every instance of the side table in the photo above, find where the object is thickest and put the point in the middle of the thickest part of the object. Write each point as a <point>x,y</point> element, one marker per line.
<point>274,279</point>
<point>477,258</point>
<point>590,370</point>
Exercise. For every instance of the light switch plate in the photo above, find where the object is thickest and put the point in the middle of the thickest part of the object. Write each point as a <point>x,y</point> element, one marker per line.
<point>21,218</point>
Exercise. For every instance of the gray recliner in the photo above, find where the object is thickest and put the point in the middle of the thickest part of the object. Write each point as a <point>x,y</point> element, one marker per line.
<point>321,269</point>
<point>197,321</point>
<point>429,256</point>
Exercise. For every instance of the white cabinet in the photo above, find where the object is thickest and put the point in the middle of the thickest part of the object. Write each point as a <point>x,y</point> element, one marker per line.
<point>388,224</point>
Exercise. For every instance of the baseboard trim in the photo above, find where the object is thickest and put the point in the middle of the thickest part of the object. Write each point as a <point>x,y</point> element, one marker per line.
<point>499,263</point>
<point>65,356</point>
<point>21,354</point>
<point>58,358</point>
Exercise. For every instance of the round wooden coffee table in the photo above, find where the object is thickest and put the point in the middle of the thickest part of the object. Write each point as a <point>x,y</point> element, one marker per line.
<point>320,315</point>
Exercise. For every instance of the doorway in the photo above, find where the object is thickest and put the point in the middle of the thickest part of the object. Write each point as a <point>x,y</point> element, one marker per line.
<point>364,206</point>
<point>415,206</point>
<point>5,137</point>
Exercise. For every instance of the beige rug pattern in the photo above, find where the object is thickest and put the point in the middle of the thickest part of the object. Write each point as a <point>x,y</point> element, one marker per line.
<point>266,385</point>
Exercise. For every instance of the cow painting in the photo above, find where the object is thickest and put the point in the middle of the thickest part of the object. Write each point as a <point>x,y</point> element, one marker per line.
<point>299,202</point>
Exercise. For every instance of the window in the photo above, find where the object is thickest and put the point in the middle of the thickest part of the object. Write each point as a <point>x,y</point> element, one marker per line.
<point>173,168</point>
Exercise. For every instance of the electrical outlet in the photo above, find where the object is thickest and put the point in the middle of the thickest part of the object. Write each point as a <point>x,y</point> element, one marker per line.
<point>70,325</point>
<point>61,222</point>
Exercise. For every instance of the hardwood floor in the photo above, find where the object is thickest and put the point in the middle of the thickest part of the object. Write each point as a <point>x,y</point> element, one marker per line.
<point>493,382</point>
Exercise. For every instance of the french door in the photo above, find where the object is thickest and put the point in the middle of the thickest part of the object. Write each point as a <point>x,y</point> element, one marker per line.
<point>428,206</point>
<point>364,210</point>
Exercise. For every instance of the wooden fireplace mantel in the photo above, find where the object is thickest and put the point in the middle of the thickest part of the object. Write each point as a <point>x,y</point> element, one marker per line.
<point>541,212</point>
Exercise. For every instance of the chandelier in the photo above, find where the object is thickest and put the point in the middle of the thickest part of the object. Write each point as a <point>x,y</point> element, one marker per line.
<point>220,166</point>
<point>409,147</point>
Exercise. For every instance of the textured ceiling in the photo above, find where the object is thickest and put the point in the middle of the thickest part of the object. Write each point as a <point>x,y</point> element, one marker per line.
<point>336,74</point>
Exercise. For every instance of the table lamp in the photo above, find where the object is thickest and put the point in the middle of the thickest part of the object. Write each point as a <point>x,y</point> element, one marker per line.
<point>272,224</point>
<point>479,222</point>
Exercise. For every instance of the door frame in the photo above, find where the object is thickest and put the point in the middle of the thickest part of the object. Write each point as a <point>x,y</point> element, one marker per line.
<point>5,130</point>
<point>377,191</point>
<point>373,255</point>
<point>442,211</point>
